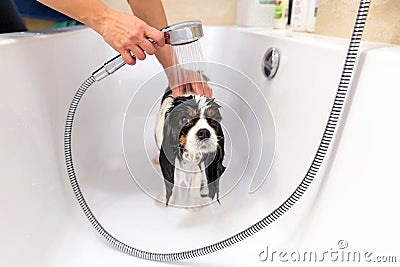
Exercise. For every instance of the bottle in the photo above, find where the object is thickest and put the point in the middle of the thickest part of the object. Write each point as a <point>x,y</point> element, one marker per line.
<point>312,15</point>
<point>257,13</point>
<point>281,14</point>
<point>299,17</point>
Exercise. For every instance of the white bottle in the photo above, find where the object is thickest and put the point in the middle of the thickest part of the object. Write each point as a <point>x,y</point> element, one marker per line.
<point>299,17</point>
<point>258,13</point>
<point>312,15</point>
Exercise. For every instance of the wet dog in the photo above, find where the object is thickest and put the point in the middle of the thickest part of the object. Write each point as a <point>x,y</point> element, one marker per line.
<point>191,142</point>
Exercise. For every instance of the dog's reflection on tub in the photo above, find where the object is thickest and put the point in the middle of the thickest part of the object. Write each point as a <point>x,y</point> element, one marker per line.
<point>191,142</point>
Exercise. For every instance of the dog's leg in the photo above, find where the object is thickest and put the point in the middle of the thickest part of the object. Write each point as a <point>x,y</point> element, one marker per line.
<point>216,169</point>
<point>167,169</point>
<point>168,187</point>
<point>203,185</point>
<point>180,183</point>
<point>214,172</point>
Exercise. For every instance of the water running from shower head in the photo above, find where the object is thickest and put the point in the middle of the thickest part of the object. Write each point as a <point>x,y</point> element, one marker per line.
<point>187,56</point>
<point>188,69</point>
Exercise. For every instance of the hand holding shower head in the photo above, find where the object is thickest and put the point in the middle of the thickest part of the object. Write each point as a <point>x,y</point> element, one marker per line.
<point>176,34</point>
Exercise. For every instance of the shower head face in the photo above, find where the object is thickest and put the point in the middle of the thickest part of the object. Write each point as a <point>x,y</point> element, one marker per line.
<point>183,33</point>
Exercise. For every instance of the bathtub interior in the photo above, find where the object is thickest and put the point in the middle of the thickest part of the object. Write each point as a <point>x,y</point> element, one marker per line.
<point>143,182</point>
<point>121,203</point>
<point>299,97</point>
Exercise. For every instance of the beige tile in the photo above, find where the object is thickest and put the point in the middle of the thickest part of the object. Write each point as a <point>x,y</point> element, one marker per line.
<point>118,5</point>
<point>211,12</point>
<point>336,18</point>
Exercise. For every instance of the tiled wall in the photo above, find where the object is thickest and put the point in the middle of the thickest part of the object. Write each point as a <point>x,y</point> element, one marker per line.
<point>336,18</point>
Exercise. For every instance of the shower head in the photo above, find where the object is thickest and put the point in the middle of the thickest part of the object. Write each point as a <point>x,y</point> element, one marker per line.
<point>183,33</point>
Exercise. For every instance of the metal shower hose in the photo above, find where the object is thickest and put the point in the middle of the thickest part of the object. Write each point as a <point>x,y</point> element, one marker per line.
<point>270,218</point>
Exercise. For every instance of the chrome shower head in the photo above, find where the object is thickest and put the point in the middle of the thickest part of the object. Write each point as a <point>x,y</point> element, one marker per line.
<point>183,33</point>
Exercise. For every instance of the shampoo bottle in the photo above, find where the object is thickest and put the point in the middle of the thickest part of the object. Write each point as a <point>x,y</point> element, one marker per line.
<point>281,14</point>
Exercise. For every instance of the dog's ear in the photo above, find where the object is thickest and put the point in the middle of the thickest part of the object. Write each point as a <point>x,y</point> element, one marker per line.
<point>215,169</point>
<point>168,170</point>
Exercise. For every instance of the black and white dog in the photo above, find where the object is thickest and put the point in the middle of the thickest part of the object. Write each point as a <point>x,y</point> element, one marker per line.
<point>191,142</point>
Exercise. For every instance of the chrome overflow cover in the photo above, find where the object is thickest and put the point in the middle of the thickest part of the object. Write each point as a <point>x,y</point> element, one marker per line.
<point>270,62</point>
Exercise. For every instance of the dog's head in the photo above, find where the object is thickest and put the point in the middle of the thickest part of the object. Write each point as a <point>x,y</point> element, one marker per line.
<point>192,125</point>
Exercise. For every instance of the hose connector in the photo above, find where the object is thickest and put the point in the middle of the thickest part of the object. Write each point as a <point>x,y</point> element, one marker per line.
<point>108,68</point>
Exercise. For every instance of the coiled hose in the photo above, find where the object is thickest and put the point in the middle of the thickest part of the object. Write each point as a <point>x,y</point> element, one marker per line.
<point>270,218</point>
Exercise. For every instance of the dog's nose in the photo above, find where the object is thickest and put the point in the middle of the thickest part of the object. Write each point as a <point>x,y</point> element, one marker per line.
<point>203,134</point>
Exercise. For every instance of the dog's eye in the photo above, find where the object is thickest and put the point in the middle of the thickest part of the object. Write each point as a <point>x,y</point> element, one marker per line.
<point>212,123</point>
<point>183,120</point>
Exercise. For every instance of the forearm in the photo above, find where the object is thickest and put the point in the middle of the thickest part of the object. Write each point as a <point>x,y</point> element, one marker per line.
<point>126,33</point>
<point>152,12</point>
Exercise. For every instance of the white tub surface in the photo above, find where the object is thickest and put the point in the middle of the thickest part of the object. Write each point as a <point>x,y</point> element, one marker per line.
<point>354,199</point>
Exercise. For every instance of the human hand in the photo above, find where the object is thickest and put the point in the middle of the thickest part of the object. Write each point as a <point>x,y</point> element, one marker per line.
<point>127,33</point>
<point>198,88</point>
<point>183,81</point>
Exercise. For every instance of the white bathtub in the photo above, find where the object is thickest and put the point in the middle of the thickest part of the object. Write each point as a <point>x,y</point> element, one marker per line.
<point>354,199</point>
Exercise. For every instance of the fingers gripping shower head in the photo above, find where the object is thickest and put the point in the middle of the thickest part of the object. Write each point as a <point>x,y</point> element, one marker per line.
<point>177,34</point>
<point>183,33</point>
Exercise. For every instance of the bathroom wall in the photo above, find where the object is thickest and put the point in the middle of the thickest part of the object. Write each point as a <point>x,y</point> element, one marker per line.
<point>211,12</point>
<point>119,5</point>
<point>336,18</point>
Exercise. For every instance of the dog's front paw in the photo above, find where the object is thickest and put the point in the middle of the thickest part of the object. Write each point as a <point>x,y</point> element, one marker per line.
<point>204,192</point>
<point>214,190</point>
